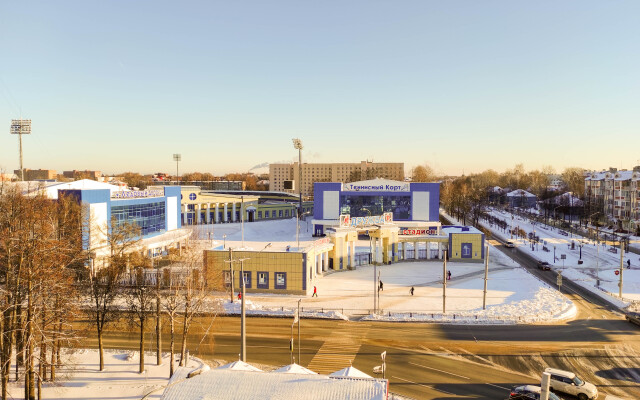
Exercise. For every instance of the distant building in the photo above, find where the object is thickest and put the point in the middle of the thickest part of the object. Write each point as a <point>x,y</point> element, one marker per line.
<point>208,185</point>
<point>614,197</point>
<point>37,174</point>
<point>329,172</point>
<point>86,174</point>
<point>521,199</point>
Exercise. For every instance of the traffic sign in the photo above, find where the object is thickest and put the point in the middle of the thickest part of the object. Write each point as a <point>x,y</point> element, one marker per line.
<point>559,280</point>
<point>563,256</point>
<point>617,272</point>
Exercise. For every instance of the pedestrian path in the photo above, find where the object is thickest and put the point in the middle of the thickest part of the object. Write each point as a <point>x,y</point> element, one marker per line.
<point>339,351</point>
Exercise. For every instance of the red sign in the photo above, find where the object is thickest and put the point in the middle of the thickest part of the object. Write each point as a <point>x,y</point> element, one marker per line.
<point>617,272</point>
<point>418,232</point>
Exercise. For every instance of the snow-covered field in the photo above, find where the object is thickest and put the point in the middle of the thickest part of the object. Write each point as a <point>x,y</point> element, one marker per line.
<point>514,296</point>
<point>81,379</point>
<point>598,262</point>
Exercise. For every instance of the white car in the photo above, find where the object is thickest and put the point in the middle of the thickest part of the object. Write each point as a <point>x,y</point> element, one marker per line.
<point>569,383</point>
<point>510,244</point>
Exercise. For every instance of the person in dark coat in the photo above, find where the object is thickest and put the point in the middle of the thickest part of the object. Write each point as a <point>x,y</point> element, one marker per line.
<point>448,275</point>
<point>628,264</point>
<point>411,290</point>
<point>380,288</point>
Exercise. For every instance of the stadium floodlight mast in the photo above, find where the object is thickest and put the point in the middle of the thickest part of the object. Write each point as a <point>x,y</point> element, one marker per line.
<point>297,144</point>
<point>177,158</point>
<point>21,127</point>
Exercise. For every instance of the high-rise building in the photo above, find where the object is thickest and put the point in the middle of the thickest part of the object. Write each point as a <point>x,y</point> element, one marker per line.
<point>614,196</point>
<point>330,172</point>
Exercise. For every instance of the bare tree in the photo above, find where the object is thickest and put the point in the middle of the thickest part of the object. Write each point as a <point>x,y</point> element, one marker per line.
<point>140,297</point>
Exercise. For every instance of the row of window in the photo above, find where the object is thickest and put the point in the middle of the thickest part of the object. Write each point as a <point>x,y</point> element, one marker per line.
<point>149,217</point>
<point>279,282</point>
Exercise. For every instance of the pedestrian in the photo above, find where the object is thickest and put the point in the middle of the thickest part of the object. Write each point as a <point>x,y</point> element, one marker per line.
<point>411,290</point>
<point>239,295</point>
<point>628,264</point>
<point>315,292</point>
<point>380,288</point>
<point>448,275</point>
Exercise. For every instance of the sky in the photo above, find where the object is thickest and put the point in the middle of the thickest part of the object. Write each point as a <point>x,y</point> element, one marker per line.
<point>462,86</point>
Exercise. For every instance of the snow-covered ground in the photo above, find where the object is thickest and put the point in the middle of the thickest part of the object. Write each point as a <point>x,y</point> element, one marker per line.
<point>598,261</point>
<point>514,296</point>
<point>81,379</point>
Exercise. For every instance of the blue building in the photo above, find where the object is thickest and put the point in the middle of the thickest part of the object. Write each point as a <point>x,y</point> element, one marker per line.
<point>156,212</point>
<point>413,206</point>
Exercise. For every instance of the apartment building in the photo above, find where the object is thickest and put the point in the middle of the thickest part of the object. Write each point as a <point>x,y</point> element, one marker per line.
<point>37,174</point>
<point>614,197</point>
<point>330,172</point>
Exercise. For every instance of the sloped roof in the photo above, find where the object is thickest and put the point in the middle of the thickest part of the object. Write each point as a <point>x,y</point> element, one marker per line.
<point>295,369</point>
<point>519,193</point>
<point>227,384</point>
<point>351,372</point>
<point>240,366</point>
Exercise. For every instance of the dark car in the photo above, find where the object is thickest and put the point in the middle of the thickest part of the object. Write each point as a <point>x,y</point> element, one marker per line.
<point>633,317</point>
<point>543,265</point>
<point>528,392</point>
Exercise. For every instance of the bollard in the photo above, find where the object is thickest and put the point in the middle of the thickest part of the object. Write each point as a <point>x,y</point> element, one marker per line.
<point>454,316</point>
<point>410,315</point>
<point>389,313</point>
<point>323,310</point>
<point>476,317</point>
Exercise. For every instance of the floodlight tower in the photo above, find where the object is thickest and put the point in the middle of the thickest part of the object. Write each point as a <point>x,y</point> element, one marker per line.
<point>177,158</point>
<point>297,144</point>
<point>21,127</point>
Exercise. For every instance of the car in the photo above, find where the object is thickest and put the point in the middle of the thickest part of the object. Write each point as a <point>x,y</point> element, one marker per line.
<point>569,383</point>
<point>633,317</point>
<point>510,244</point>
<point>543,265</point>
<point>528,392</point>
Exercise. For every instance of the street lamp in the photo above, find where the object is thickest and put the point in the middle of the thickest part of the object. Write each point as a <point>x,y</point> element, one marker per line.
<point>297,144</point>
<point>224,241</point>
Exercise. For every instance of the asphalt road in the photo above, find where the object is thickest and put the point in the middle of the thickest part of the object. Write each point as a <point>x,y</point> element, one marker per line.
<point>430,361</point>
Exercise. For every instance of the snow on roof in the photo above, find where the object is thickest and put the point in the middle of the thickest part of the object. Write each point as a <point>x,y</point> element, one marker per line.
<point>351,372</point>
<point>50,189</point>
<point>520,192</point>
<point>226,384</point>
<point>459,229</point>
<point>295,369</point>
<point>623,175</point>
<point>240,366</point>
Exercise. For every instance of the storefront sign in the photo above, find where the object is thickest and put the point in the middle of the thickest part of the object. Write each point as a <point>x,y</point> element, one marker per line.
<point>136,194</point>
<point>416,232</point>
<point>382,187</point>
<point>357,222</point>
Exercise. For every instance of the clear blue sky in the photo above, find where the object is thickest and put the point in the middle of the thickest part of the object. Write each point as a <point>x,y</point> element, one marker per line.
<point>461,85</point>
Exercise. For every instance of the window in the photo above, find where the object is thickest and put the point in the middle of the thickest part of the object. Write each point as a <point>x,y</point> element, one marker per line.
<point>279,213</point>
<point>281,280</point>
<point>247,279</point>
<point>266,214</point>
<point>149,217</point>
<point>263,280</point>
<point>259,214</point>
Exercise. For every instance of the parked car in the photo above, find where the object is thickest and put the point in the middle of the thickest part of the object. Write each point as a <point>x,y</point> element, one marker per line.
<point>633,317</point>
<point>510,244</point>
<point>543,265</point>
<point>569,383</point>
<point>528,392</point>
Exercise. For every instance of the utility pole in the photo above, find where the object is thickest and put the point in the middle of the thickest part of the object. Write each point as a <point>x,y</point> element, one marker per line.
<point>375,286</point>
<point>621,266</point>
<point>231,260</point>
<point>444,282</point>
<point>242,219</point>
<point>486,276</point>
<point>243,320</point>
<point>299,320</point>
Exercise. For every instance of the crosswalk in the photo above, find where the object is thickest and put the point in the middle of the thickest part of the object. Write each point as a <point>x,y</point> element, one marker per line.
<point>338,351</point>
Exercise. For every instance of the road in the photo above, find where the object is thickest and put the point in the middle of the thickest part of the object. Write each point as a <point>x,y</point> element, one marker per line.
<point>430,361</point>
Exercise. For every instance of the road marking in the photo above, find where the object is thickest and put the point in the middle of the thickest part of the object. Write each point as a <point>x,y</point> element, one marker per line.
<point>439,370</point>
<point>420,384</point>
<point>501,387</point>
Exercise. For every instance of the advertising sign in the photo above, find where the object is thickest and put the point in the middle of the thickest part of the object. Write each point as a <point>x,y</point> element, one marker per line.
<point>136,194</point>
<point>358,222</point>
<point>417,232</point>
<point>376,186</point>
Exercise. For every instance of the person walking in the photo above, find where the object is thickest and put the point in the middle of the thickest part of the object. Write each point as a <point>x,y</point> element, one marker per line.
<point>411,290</point>
<point>315,292</point>
<point>380,288</point>
<point>448,275</point>
<point>239,295</point>
<point>628,264</point>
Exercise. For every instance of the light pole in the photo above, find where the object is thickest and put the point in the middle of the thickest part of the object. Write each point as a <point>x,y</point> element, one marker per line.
<point>243,324</point>
<point>21,127</point>
<point>299,320</point>
<point>224,242</point>
<point>297,144</point>
<point>177,158</point>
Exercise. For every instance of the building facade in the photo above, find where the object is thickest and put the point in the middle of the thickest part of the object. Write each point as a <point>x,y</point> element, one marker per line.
<point>613,197</point>
<point>86,174</point>
<point>329,172</point>
<point>37,174</point>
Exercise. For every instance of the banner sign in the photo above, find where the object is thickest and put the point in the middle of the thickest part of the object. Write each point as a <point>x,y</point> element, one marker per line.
<point>357,222</point>
<point>136,194</point>
<point>20,126</point>
<point>381,187</point>
<point>415,232</point>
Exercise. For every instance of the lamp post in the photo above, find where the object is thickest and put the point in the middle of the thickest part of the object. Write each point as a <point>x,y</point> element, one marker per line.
<point>224,241</point>
<point>177,158</point>
<point>297,144</point>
